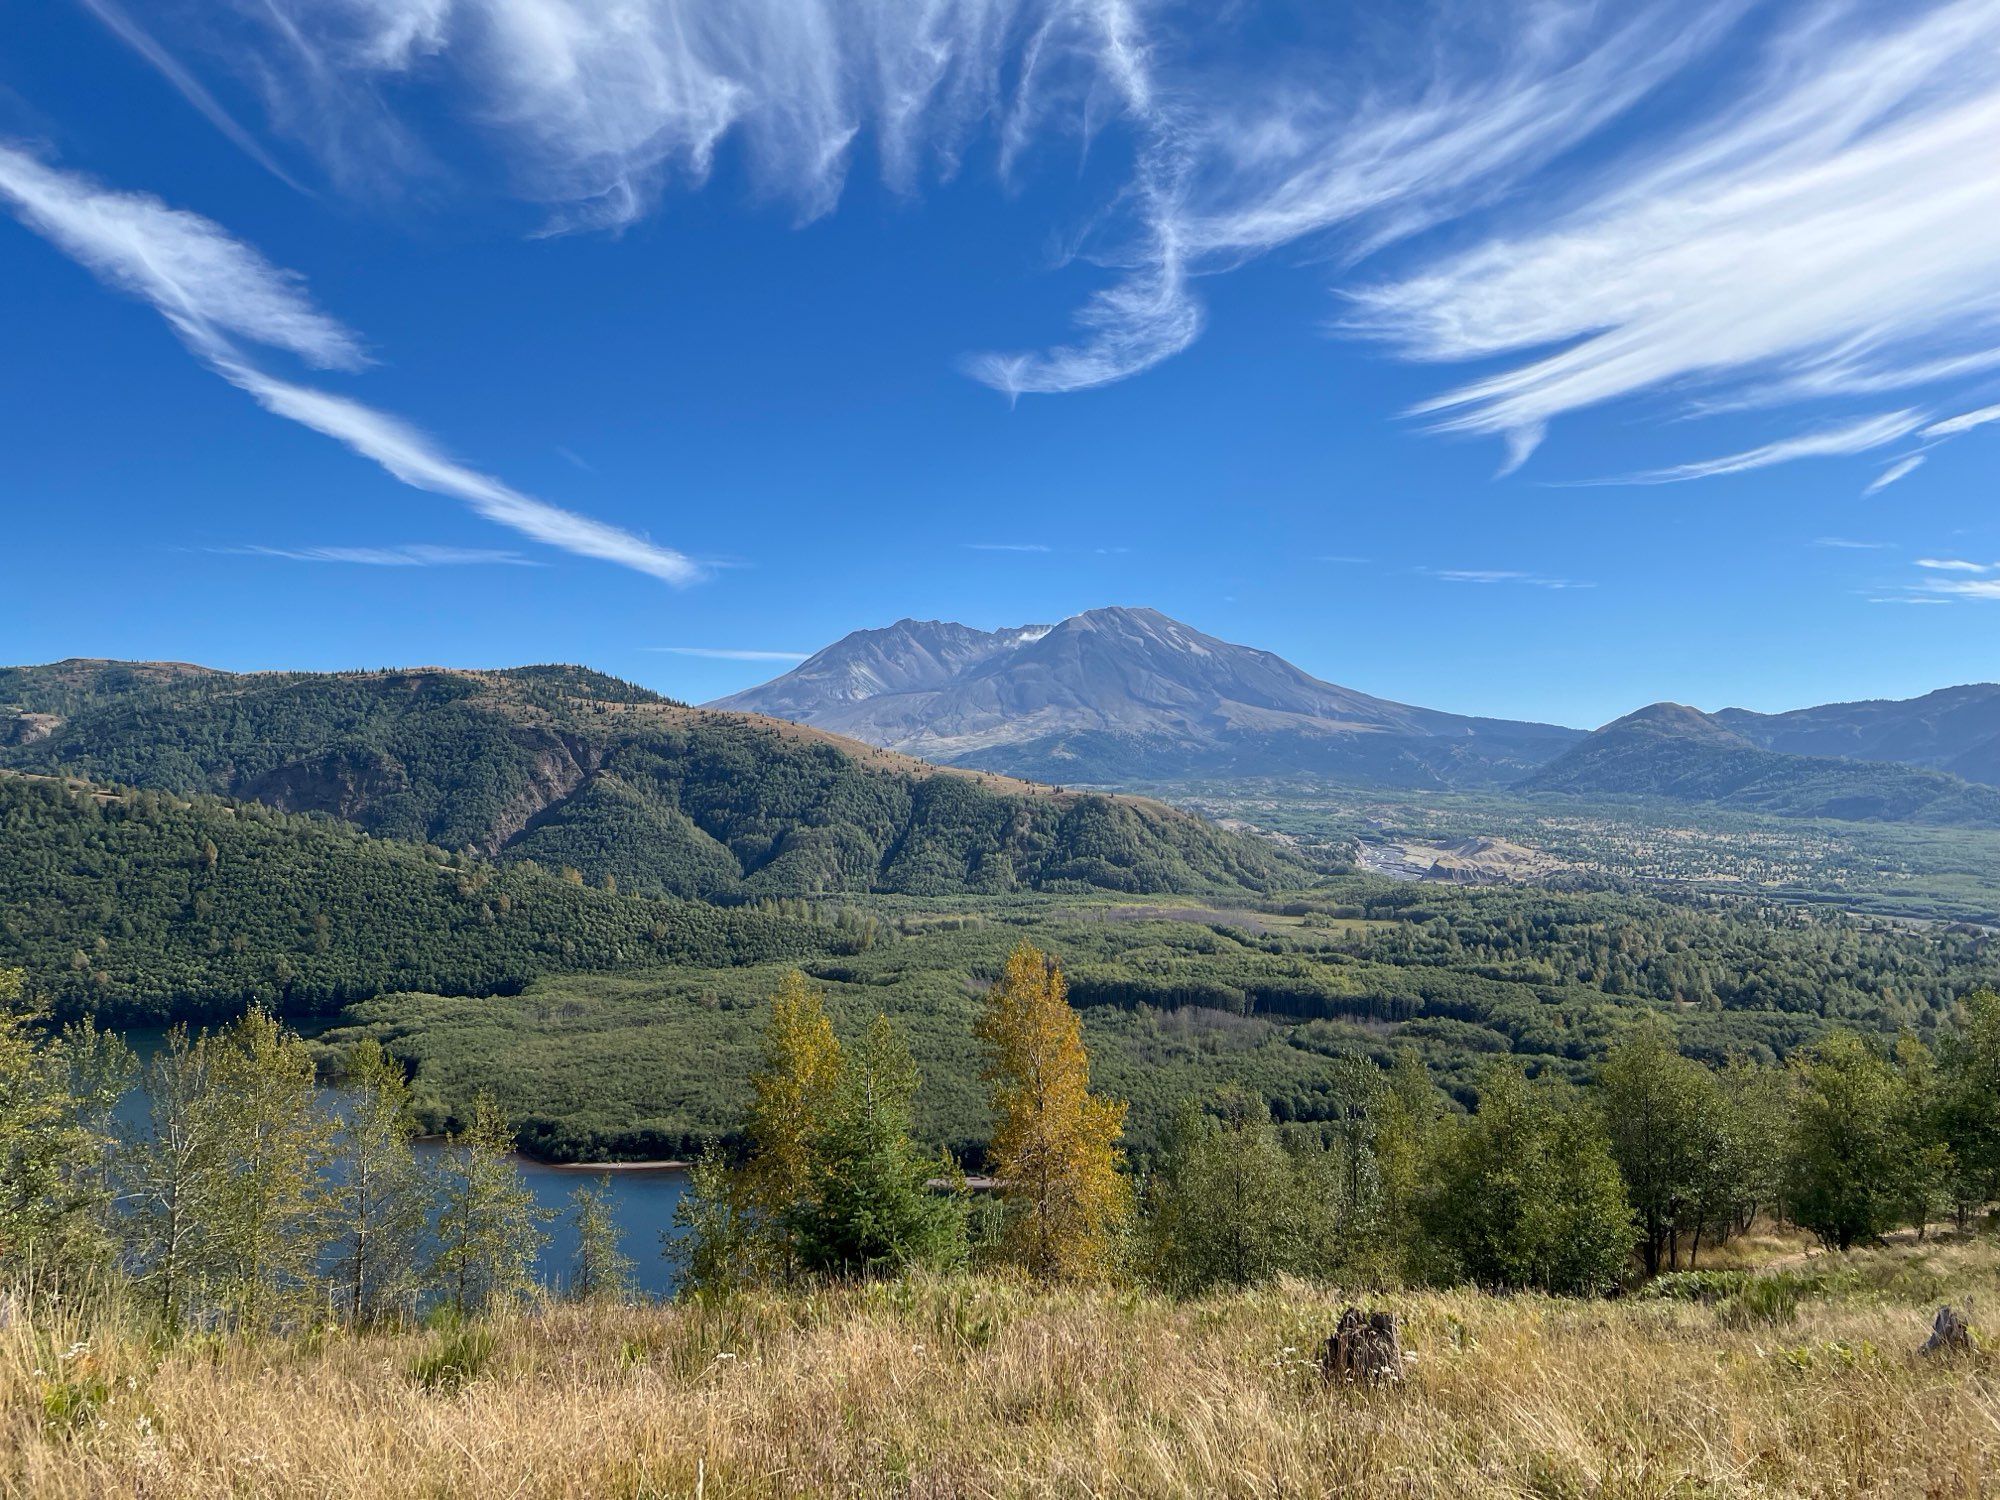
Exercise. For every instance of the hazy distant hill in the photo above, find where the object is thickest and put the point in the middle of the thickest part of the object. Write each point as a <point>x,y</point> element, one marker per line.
<point>578,770</point>
<point>1116,695</point>
<point>1955,729</point>
<point>1680,754</point>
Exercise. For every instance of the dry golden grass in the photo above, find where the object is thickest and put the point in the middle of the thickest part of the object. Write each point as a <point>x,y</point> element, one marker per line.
<point>979,1388</point>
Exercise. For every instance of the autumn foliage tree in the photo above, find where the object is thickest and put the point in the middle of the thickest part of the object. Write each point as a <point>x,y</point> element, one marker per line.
<point>792,1097</point>
<point>1054,1150</point>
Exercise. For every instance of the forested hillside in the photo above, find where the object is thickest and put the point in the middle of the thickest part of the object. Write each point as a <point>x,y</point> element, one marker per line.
<point>141,907</point>
<point>577,770</point>
<point>1296,1006</point>
<point>1681,754</point>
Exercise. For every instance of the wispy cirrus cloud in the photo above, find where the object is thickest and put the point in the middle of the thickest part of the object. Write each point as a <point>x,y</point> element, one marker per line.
<point>731,653</point>
<point>1504,576</point>
<point>219,294</point>
<point>1805,221</point>
<point>1007,547</point>
<point>1943,580</point>
<point>1846,439</point>
<point>409,555</point>
<point>1965,422</point>
<point>118,21</point>
<point>1823,232</point>
<point>1896,473</point>
<point>1848,544</point>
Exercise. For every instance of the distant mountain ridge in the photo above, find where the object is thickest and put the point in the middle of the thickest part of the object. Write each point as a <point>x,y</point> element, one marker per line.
<point>1680,754</point>
<point>1127,694</point>
<point>1955,729</point>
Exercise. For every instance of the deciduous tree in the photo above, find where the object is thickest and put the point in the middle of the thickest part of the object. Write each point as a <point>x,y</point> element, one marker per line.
<point>1055,1147</point>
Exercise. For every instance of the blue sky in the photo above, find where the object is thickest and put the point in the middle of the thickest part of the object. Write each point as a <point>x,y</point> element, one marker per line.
<point>1535,359</point>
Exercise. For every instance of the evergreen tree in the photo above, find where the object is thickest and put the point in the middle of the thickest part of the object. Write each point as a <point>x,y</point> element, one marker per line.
<point>489,1230</point>
<point>869,1209</point>
<point>381,1208</point>
<point>600,1271</point>
<point>1055,1144</point>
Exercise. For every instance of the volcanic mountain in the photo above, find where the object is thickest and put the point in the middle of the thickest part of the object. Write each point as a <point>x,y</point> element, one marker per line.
<point>1122,694</point>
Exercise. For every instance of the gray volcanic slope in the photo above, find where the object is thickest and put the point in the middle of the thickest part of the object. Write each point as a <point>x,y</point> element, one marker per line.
<point>1129,694</point>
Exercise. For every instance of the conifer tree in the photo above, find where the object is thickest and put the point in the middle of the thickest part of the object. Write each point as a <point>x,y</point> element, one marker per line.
<point>1055,1147</point>
<point>869,1209</point>
<point>490,1229</point>
<point>381,1208</point>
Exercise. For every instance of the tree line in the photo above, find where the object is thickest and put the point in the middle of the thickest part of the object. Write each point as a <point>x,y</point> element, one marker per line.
<point>246,1204</point>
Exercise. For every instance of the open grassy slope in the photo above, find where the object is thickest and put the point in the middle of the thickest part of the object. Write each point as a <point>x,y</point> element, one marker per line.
<point>983,1388</point>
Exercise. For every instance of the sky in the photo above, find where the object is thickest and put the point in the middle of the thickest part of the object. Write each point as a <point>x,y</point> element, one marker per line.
<point>1539,359</point>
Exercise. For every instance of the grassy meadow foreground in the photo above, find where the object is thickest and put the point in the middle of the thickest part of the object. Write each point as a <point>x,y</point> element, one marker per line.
<point>1799,1380</point>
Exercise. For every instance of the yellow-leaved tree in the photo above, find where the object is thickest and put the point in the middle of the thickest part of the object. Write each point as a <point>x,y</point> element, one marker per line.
<point>792,1100</point>
<point>1055,1148</point>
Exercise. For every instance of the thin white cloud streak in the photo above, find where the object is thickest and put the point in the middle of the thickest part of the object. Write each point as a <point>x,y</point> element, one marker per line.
<point>410,456</point>
<point>1965,588</point>
<point>1834,229</point>
<point>1953,565</point>
<point>1488,576</point>
<point>1952,426</point>
<point>731,653</point>
<point>198,277</point>
<point>1842,543</point>
<point>1831,442</point>
<point>411,555</point>
<point>1008,547</point>
<point>211,287</point>
<point>1897,472</point>
<point>139,40</point>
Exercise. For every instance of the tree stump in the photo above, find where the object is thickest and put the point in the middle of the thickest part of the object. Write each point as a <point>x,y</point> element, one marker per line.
<point>1951,1333</point>
<point>1367,1349</point>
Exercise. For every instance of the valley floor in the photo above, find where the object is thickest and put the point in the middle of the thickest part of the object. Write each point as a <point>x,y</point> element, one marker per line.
<point>982,1388</point>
